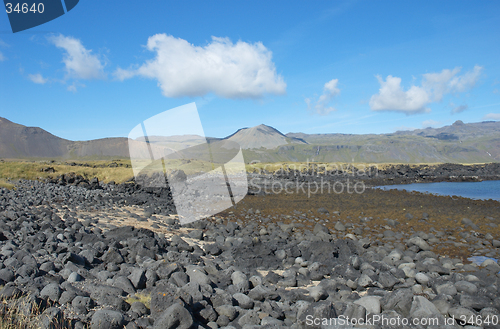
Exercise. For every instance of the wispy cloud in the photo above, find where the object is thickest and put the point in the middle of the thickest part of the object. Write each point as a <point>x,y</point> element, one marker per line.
<point>459,109</point>
<point>330,90</point>
<point>392,97</point>
<point>484,106</point>
<point>430,123</point>
<point>447,81</point>
<point>492,116</point>
<point>229,70</point>
<point>37,78</point>
<point>73,87</point>
<point>404,128</point>
<point>79,62</point>
<point>5,45</point>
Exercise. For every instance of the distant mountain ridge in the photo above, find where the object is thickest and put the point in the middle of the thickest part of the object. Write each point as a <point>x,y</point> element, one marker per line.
<point>458,131</point>
<point>457,143</point>
<point>18,141</point>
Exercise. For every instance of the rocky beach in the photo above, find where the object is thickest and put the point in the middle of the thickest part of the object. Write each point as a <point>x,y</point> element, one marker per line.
<point>250,164</point>
<point>76,253</point>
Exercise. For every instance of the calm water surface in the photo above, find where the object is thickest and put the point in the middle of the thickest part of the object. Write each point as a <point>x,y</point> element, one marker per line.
<point>474,190</point>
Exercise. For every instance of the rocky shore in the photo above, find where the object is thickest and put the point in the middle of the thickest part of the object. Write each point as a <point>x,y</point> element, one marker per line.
<point>376,175</point>
<point>83,253</point>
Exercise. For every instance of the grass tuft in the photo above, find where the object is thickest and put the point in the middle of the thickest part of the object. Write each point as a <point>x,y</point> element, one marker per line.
<point>5,184</point>
<point>139,297</point>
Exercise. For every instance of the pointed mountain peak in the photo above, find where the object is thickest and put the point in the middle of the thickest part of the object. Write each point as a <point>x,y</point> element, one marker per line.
<point>261,136</point>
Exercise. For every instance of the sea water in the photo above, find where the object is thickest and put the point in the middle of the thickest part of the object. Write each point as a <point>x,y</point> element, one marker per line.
<point>473,190</point>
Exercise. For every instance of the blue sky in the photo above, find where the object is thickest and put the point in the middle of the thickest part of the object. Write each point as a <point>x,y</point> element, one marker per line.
<point>299,66</point>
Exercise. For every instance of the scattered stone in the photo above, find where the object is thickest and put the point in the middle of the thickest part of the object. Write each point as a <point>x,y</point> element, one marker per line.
<point>370,303</point>
<point>422,278</point>
<point>138,278</point>
<point>107,319</point>
<point>465,286</point>
<point>421,308</point>
<point>175,316</point>
<point>468,223</point>
<point>419,242</point>
<point>51,291</point>
<point>243,301</point>
<point>446,289</point>
<point>339,227</point>
<point>227,310</point>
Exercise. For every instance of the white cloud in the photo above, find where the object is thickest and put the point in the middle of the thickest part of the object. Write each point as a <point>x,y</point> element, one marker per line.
<point>447,81</point>
<point>2,57</point>
<point>467,81</point>
<point>492,116</point>
<point>430,123</point>
<point>37,78</point>
<point>240,70</point>
<point>392,97</point>
<point>330,90</point>
<point>80,62</point>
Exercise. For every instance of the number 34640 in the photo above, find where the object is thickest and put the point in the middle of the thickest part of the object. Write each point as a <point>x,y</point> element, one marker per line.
<point>24,8</point>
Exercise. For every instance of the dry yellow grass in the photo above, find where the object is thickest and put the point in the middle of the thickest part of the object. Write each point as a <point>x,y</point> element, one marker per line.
<point>5,184</point>
<point>33,170</point>
<point>24,313</point>
<point>318,167</point>
<point>273,166</point>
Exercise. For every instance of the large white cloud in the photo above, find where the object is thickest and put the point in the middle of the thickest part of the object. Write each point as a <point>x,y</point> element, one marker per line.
<point>80,62</point>
<point>240,70</point>
<point>392,97</point>
<point>330,90</point>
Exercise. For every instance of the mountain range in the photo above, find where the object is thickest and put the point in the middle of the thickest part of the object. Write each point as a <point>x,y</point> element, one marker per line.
<point>456,143</point>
